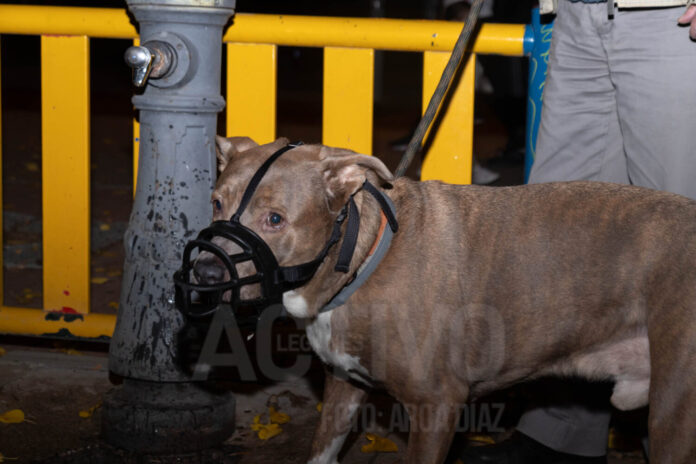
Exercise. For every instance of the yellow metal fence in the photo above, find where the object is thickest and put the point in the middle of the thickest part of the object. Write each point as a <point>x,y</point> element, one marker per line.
<point>252,42</point>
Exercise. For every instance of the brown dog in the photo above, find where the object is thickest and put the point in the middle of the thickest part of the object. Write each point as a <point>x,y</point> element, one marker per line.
<point>481,288</point>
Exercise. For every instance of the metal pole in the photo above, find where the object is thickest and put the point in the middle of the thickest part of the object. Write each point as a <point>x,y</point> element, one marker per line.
<point>158,409</point>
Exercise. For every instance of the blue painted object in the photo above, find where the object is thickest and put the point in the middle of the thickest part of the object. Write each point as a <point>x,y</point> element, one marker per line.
<point>537,42</point>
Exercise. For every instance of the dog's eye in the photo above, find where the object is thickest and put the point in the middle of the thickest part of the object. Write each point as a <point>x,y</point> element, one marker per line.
<point>274,220</point>
<point>217,205</point>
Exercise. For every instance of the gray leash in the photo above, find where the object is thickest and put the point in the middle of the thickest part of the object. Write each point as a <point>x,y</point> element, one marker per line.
<point>459,47</point>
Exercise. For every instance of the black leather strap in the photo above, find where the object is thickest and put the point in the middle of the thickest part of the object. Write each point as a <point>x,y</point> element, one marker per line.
<point>305,271</point>
<point>350,238</point>
<point>383,204</point>
<point>254,182</point>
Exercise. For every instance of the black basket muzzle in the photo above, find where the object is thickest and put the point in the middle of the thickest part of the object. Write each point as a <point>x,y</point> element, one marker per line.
<point>200,299</point>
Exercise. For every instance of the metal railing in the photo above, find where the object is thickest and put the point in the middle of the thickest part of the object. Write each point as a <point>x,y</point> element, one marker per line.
<point>252,42</point>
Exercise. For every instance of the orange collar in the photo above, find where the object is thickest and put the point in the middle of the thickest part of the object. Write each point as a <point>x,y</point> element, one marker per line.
<point>380,232</point>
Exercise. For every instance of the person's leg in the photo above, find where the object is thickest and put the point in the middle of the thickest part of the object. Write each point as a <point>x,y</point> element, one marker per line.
<point>653,63</point>
<point>579,135</point>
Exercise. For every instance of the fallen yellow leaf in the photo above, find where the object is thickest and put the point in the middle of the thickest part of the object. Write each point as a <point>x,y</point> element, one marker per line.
<point>482,439</point>
<point>269,431</point>
<point>320,406</point>
<point>71,351</point>
<point>2,351</point>
<point>113,304</point>
<point>265,431</point>
<point>379,445</point>
<point>104,227</point>
<point>33,167</point>
<point>90,411</point>
<point>98,280</point>
<point>277,417</point>
<point>13,416</point>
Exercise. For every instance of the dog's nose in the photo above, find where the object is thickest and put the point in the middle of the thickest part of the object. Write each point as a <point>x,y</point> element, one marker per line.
<point>209,272</point>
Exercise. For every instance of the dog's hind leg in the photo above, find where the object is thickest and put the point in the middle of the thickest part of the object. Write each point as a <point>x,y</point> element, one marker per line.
<point>341,403</point>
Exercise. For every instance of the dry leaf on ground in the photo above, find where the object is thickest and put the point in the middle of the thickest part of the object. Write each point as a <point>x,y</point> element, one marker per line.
<point>89,412</point>
<point>13,416</point>
<point>277,417</point>
<point>265,431</point>
<point>379,444</point>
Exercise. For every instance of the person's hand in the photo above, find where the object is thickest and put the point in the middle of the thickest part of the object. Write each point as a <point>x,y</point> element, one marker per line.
<point>689,17</point>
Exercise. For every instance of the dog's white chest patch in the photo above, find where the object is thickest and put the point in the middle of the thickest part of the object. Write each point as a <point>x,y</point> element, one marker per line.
<point>295,304</point>
<point>319,336</point>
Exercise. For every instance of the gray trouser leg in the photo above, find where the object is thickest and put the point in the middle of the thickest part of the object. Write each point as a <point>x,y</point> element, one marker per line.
<point>574,429</point>
<point>619,106</point>
<point>620,100</point>
<point>653,63</point>
<point>579,136</point>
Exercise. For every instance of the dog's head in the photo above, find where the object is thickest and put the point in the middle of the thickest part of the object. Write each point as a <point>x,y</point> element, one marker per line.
<point>293,210</point>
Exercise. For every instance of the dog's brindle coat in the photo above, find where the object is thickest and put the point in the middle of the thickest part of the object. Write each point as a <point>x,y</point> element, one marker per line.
<point>482,288</point>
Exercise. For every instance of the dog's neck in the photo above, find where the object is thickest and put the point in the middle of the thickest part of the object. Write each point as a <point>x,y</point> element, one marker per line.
<point>327,282</point>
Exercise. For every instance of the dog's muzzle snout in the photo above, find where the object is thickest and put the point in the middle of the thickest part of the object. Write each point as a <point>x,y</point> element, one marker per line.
<point>208,271</point>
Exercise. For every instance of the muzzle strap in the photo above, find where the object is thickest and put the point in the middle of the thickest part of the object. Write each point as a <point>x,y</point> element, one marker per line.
<point>256,180</point>
<point>291,275</point>
<point>386,207</point>
<point>350,238</point>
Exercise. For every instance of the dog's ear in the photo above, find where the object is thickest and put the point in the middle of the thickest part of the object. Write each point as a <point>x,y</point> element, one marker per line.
<point>345,171</point>
<point>227,147</point>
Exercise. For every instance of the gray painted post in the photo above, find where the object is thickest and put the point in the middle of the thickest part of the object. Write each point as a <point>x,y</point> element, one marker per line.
<point>158,409</point>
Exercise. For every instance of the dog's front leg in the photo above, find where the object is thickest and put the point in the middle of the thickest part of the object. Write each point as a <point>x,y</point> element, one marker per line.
<point>432,428</point>
<point>341,402</point>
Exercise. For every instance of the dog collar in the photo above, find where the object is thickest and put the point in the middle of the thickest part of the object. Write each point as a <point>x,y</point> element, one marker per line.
<point>376,254</point>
